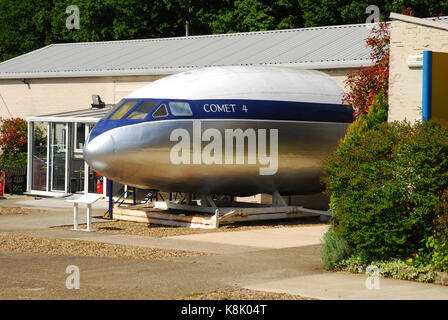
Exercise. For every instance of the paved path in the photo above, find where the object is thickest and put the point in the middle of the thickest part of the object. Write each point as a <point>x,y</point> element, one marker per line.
<point>275,238</point>
<point>42,276</point>
<point>344,286</point>
<point>278,259</point>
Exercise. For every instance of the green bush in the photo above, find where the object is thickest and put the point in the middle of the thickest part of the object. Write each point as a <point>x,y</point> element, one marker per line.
<point>438,253</point>
<point>441,220</point>
<point>384,187</point>
<point>395,268</point>
<point>377,114</point>
<point>438,243</point>
<point>334,249</point>
<point>19,160</point>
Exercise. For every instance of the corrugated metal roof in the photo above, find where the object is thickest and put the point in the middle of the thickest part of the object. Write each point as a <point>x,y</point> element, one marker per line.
<point>92,115</point>
<point>313,48</point>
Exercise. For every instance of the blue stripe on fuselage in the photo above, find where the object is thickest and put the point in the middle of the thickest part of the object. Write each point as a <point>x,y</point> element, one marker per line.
<point>243,109</point>
<point>272,110</point>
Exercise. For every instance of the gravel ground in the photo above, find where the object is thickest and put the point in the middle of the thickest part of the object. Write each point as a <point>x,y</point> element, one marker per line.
<point>18,210</point>
<point>10,242</point>
<point>153,230</point>
<point>243,294</point>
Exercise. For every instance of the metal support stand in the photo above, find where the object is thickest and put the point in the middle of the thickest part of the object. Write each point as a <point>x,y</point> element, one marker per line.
<point>75,216</point>
<point>134,196</point>
<point>213,213</point>
<point>277,198</point>
<point>111,200</point>
<point>216,218</point>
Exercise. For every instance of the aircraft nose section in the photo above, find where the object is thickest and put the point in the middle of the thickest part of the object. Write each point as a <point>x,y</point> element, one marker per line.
<point>99,151</point>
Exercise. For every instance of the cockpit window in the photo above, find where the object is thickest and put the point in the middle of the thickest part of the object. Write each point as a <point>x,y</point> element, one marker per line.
<point>113,109</point>
<point>161,111</point>
<point>142,110</point>
<point>123,109</point>
<point>180,109</point>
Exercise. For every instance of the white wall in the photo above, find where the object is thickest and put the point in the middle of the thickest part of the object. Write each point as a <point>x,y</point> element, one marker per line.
<point>405,84</point>
<point>45,96</point>
<point>339,75</point>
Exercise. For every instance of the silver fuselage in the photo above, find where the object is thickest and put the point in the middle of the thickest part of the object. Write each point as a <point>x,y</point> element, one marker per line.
<point>139,155</point>
<point>293,118</point>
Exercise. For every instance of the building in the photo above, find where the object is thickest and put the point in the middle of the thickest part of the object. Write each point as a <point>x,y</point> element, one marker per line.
<point>60,79</point>
<point>410,38</point>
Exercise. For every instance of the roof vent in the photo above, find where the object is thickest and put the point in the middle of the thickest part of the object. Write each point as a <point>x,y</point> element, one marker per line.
<point>97,103</point>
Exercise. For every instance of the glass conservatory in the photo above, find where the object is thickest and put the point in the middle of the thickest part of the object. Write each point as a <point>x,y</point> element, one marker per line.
<point>55,160</point>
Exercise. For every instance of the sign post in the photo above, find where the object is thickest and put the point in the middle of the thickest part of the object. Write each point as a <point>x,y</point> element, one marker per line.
<point>88,200</point>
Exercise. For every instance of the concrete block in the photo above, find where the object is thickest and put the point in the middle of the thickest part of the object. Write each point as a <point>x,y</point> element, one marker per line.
<point>441,278</point>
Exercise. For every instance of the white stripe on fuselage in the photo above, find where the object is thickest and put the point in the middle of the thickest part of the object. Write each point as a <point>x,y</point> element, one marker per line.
<point>111,131</point>
<point>230,120</point>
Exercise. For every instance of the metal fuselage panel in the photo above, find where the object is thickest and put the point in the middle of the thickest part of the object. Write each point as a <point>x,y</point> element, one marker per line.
<point>140,155</point>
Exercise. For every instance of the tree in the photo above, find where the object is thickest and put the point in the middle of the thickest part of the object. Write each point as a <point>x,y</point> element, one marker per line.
<point>24,26</point>
<point>257,15</point>
<point>105,20</point>
<point>200,14</point>
<point>28,25</point>
<point>367,82</point>
<point>421,8</point>
<point>330,12</point>
<point>13,136</point>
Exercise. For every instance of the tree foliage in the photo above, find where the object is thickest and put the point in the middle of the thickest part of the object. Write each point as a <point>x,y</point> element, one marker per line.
<point>27,25</point>
<point>385,187</point>
<point>13,136</point>
<point>257,15</point>
<point>13,142</point>
<point>365,83</point>
<point>377,114</point>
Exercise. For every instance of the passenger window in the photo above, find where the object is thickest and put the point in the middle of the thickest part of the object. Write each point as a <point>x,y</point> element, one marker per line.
<point>113,109</point>
<point>160,112</point>
<point>180,109</point>
<point>123,109</point>
<point>142,110</point>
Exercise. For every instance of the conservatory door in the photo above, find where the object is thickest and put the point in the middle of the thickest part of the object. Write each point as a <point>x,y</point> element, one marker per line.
<point>58,151</point>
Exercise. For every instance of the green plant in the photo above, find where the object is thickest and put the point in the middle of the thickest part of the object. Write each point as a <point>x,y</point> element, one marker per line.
<point>334,249</point>
<point>377,114</point>
<point>394,268</point>
<point>441,220</point>
<point>17,189</point>
<point>19,160</point>
<point>437,244</point>
<point>438,252</point>
<point>399,269</point>
<point>384,187</point>
<point>366,83</point>
<point>13,136</point>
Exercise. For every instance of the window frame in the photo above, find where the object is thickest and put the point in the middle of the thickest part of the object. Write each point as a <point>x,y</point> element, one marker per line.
<point>113,109</point>
<point>75,136</point>
<point>126,114</point>
<point>156,108</point>
<point>148,115</point>
<point>180,101</point>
